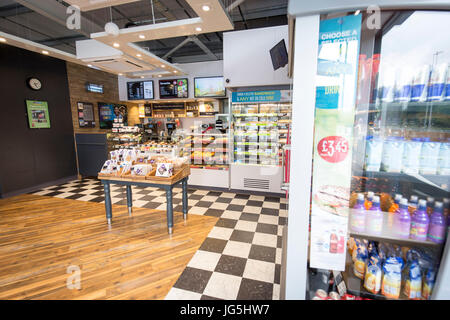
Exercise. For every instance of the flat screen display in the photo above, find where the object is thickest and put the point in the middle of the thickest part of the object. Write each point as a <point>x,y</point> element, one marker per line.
<point>107,112</point>
<point>140,90</point>
<point>209,87</point>
<point>175,88</point>
<point>279,55</point>
<point>96,88</point>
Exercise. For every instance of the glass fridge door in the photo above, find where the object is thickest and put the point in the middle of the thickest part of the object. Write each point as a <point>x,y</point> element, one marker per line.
<point>381,180</point>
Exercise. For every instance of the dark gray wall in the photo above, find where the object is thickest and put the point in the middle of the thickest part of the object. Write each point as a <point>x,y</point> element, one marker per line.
<point>31,157</point>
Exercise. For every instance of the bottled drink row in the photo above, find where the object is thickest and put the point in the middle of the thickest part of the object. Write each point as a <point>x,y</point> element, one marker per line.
<point>414,84</point>
<point>417,219</point>
<point>393,271</point>
<point>393,153</point>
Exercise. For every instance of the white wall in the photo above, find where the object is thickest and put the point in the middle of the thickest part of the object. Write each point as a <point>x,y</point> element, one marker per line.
<point>197,69</point>
<point>246,56</point>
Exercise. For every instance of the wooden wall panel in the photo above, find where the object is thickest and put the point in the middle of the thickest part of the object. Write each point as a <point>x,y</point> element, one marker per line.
<point>78,75</point>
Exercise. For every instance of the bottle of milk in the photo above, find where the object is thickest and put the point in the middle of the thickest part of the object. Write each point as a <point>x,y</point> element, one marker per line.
<point>429,156</point>
<point>411,155</point>
<point>443,165</point>
<point>391,158</point>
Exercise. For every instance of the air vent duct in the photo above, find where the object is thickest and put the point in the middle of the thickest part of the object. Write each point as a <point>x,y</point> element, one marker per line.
<point>256,184</point>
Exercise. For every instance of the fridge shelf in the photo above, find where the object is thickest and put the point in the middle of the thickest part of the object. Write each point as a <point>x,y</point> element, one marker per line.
<point>438,181</point>
<point>393,239</point>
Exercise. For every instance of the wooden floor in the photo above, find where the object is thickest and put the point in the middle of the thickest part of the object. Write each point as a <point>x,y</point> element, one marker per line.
<point>41,237</point>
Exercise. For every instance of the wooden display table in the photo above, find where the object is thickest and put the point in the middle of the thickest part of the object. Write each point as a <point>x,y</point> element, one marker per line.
<point>180,175</point>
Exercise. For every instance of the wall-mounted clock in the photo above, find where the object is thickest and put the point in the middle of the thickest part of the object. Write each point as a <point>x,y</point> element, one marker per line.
<point>34,83</point>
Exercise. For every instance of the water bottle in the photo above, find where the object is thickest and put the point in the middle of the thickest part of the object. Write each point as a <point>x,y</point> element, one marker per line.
<point>420,222</point>
<point>358,215</point>
<point>374,217</point>
<point>436,231</point>
<point>402,220</point>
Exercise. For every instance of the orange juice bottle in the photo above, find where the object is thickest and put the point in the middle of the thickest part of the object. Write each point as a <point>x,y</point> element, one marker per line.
<point>368,202</point>
<point>394,209</point>
<point>413,201</point>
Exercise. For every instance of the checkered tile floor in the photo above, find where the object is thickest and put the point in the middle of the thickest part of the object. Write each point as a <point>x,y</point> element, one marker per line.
<point>240,258</point>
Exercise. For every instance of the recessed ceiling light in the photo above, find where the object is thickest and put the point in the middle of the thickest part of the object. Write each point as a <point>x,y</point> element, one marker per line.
<point>116,45</point>
<point>2,40</point>
<point>198,29</point>
<point>163,66</point>
<point>44,51</point>
<point>206,8</point>
<point>139,55</point>
<point>159,76</point>
<point>141,36</point>
<point>142,77</point>
<point>175,71</point>
<point>120,74</point>
<point>89,65</point>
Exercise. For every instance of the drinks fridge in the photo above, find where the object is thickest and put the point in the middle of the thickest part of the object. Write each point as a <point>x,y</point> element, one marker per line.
<point>379,202</point>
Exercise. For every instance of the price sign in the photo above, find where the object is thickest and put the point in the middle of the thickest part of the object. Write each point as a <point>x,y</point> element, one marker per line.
<point>333,148</point>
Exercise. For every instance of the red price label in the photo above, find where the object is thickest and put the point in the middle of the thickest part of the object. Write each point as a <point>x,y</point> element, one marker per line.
<point>333,148</point>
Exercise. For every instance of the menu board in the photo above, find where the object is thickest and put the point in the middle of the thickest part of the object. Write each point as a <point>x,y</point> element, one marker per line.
<point>140,90</point>
<point>85,115</point>
<point>175,88</point>
<point>38,116</point>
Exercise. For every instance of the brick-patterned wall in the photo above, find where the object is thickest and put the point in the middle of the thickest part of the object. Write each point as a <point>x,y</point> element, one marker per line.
<point>77,76</point>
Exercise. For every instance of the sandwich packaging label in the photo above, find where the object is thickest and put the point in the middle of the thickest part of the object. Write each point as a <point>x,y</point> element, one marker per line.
<point>339,47</point>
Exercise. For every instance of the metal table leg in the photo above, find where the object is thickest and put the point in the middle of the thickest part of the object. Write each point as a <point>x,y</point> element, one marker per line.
<point>129,199</point>
<point>185,198</point>
<point>108,207</point>
<point>169,209</point>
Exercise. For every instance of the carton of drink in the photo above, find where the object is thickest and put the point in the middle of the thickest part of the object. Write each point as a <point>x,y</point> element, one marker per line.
<point>388,85</point>
<point>404,85</point>
<point>420,83</point>
<point>447,86</point>
<point>437,82</point>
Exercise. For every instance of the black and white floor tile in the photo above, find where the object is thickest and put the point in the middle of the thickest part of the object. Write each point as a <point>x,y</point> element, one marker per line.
<point>241,256</point>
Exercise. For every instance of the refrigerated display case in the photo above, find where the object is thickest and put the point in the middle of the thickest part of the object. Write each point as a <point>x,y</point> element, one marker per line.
<point>208,154</point>
<point>259,133</point>
<point>380,180</point>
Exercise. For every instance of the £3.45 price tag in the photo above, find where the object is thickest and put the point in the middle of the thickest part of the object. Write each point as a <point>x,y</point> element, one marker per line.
<point>333,148</point>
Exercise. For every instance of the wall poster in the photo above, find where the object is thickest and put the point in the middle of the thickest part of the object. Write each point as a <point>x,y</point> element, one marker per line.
<point>38,115</point>
<point>85,112</point>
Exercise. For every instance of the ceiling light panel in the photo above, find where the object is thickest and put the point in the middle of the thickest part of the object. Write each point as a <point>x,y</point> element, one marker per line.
<point>87,5</point>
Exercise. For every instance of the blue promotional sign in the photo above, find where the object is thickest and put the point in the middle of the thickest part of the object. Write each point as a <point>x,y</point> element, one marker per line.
<point>256,96</point>
<point>336,37</point>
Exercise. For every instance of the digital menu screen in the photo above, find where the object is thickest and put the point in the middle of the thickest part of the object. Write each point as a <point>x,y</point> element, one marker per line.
<point>209,87</point>
<point>140,90</point>
<point>176,88</point>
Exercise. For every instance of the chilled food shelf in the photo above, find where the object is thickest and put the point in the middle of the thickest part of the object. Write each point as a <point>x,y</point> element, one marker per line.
<point>387,233</point>
<point>259,115</point>
<point>438,181</point>
<point>260,144</point>
<point>256,123</point>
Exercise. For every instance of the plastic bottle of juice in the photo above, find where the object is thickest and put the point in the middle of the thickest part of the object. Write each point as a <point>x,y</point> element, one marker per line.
<point>393,209</point>
<point>420,222</point>
<point>368,202</point>
<point>402,220</point>
<point>358,215</point>
<point>446,207</point>
<point>374,217</point>
<point>413,204</point>
<point>430,205</point>
<point>436,231</point>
